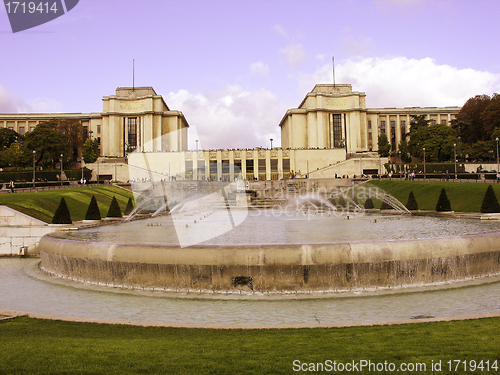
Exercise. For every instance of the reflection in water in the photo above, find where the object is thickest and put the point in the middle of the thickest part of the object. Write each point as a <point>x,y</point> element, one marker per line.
<point>21,292</point>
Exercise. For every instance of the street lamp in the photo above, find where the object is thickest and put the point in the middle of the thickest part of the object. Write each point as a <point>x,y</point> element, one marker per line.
<point>400,169</point>
<point>424,163</point>
<point>271,143</point>
<point>61,169</point>
<point>455,158</point>
<point>498,169</point>
<point>34,152</point>
<point>196,145</point>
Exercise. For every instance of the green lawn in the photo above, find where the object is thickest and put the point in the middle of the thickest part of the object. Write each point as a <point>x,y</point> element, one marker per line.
<point>31,346</point>
<point>43,204</point>
<point>464,196</point>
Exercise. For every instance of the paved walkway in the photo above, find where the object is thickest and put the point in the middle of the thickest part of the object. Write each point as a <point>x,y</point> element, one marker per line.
<point>9,314</point>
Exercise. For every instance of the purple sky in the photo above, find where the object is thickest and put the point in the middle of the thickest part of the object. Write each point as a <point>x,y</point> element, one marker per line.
<point>234,67</point>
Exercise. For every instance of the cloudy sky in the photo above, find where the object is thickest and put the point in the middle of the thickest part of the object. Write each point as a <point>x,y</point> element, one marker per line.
<point>234,67</point>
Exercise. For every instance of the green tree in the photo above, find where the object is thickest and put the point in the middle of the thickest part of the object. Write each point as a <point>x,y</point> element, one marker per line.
<point>8,137</point>
<point>368,204</point>
<point>13,157</point>
<point>93,212</point>
<point>48,144</point>
<point>437,139</point>
<point>129,208</point>
<point>114,209</point>
<point>443,203</point>
<point>90,150</point>
<point>490,202</point>
<point>469,122</point>
<point>412,204</point>
<point>62,215</point>
<point>384,147</point>
<point>73,130</point>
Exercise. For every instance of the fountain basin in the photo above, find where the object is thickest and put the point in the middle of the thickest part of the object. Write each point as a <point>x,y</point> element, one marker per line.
<point>274,268</point>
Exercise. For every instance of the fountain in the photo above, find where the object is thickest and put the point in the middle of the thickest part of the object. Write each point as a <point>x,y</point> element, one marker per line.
<point>209,244</point>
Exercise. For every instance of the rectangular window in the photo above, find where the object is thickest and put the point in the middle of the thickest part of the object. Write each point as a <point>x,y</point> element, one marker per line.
<point>370,124</point>
<point>249,165</point>
<point>21,130</point>
<point>98,129</point>
<point>403,129</point>
<point>32,128</point>
<point>85,131</point>
<point>443,122</point>
<point>433,122</point>
<point>132,132</point>
<point>382,127</point>
<point>336,131</point>
<point>286,165</point>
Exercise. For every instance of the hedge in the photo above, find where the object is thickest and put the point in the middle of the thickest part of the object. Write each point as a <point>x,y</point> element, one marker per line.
<point>49,175</point>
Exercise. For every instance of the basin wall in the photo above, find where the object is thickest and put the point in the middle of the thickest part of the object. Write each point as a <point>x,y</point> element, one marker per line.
<point>274,268</point>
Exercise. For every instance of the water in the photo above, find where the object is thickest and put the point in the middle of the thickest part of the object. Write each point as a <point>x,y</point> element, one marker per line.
<point>18,291</point>
<point>277,226</point>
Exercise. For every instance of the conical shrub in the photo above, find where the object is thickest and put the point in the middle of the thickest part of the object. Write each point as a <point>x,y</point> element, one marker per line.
<point>443,203</point>
<point>342,202</point>
<point>93,212</point>
<point>114,209</point>
<point>412,204</point>
<point>62,215</point>
<point>369,204</point>
<point>129,208</point>
<point>490,202</point>
<point>386,206</point>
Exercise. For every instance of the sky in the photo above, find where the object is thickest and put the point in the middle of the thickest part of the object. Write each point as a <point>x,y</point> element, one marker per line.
<point>234,67</point>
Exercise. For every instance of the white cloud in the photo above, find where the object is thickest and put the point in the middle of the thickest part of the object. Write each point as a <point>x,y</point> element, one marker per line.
<point>403,82</point>
<point>230,117</point>
<point>9,103</point>
<point>260,69</point>
<point>294,54</point>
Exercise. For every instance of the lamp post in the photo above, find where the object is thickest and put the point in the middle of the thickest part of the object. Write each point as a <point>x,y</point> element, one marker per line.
<point>82,170</point>
<point>424,163</point>
<point>400,169</point>
<point>455,158</point>
<point>34,152</point>
<point>196,145</point>
<point>271,143</point>
<point>61,169</point>
<point>498,168</point>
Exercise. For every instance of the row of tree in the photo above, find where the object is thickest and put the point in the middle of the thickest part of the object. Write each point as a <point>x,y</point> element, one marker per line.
<point>472,134</point>
<point>49,140</point>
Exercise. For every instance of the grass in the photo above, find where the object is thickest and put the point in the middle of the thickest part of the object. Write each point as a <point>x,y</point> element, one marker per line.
<point>31,346</point>
<point>464,196</point>
<point>42,204</point>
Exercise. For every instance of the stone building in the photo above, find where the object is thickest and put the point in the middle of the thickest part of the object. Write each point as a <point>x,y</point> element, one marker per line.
<point>331,133</point>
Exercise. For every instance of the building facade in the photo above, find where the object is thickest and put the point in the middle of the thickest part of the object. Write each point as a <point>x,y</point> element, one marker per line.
<point>330,134</point>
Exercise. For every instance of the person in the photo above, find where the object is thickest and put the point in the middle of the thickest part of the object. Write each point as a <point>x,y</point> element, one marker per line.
<point>498,177</point>
<point>11,185</point>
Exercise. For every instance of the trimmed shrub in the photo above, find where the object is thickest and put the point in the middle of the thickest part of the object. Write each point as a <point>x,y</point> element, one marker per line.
<point>114,209</point>
<point>93,212</point>
<point>412,204</point>
<point>369,204</point>
<point>129,208</point>
<point>342,202</point>
<point>490,202</point>
<point>386,206</point>
<point>62,215</point>
<point>443,203</point>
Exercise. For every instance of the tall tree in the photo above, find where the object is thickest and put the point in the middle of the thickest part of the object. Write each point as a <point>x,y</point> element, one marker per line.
<point>384,147</point>
<point>48,144</point>
<point>90,150</point>
<point>73,130</point>
<point>7,138</point>
<point>469,122</point>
